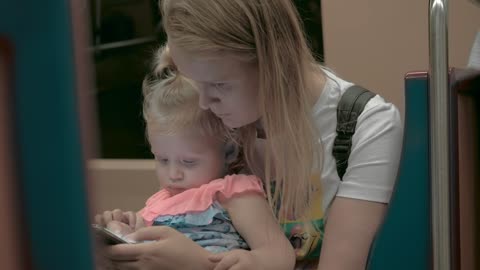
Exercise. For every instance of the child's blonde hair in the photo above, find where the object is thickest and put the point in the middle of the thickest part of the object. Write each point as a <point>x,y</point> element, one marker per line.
<point>268,33</point>
<point>171,102</point>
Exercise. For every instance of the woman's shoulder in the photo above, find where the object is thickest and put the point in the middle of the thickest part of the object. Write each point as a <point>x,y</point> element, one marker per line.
<point>333,88</point>
<point>375,149</point>
<point>377,111</point>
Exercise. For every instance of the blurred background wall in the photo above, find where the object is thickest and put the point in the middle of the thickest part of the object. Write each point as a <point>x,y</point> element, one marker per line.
<point>374,43</point>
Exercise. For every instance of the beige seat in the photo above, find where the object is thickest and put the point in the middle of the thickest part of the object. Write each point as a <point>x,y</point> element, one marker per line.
<point>121,183</point>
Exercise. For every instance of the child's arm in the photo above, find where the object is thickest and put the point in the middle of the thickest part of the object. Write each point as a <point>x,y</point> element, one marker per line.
<point>252,217</point>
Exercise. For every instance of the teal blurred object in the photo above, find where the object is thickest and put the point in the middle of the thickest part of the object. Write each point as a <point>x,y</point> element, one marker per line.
<point>403,241</point>
<point>52,175</point>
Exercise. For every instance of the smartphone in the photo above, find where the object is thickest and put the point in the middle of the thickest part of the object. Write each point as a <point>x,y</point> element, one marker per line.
<point>109,237</point>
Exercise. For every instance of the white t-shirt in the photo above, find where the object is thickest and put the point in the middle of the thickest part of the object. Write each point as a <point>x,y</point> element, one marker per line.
<point>376,147</point>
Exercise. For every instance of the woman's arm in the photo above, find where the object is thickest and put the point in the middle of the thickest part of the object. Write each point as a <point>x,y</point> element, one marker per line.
<point>172,251</point>
<point>361,199</point>
<point>252,217</point>
<point>350,229</point>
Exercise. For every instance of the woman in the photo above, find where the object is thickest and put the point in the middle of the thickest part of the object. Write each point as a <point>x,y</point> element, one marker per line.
<point>254,70</point>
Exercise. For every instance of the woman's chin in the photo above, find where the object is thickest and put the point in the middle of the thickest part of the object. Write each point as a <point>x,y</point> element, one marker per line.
<point>229,123</point>
<point>232,123</point>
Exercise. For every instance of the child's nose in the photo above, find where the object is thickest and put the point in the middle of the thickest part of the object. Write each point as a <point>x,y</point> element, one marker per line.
<point>175,174</point>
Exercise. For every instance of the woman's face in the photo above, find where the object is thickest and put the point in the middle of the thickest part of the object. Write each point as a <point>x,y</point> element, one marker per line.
<point>226,86</point>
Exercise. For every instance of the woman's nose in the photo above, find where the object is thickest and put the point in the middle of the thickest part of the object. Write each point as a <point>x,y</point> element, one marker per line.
<point>205,97</point>
<point>204,100</point>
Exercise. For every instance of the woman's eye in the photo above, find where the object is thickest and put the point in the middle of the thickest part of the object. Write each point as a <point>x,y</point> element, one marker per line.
<point>220,86</point>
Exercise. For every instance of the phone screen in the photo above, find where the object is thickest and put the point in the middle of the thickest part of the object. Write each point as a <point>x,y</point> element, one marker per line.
<point>108,237</point>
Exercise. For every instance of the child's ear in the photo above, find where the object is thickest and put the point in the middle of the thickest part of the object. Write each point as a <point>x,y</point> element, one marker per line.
<point>231,152</point>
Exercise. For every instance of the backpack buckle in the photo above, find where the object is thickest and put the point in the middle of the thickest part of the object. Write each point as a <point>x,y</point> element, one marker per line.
<point>341,147</point>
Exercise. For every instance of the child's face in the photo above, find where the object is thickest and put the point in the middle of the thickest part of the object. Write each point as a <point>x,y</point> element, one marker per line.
<point>187,159</point>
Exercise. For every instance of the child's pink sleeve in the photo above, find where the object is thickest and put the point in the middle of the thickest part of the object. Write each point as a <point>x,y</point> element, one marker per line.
<point>155,199</point>
<point>239,183</point>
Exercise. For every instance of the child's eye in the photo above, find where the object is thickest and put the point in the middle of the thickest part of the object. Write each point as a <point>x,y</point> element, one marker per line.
<point>188,162</point>
<point>163,160</point>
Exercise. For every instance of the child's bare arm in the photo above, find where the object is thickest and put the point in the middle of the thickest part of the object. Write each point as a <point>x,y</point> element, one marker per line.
<point>252,217</point>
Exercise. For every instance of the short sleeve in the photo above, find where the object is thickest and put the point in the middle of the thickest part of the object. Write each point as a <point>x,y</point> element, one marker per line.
<point>239,183</point>
<point>375,154</point>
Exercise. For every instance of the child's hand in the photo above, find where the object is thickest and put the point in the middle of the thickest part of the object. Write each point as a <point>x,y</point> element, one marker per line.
<point>119,228</point>
<point>134,220</point>
<point>236,259</point>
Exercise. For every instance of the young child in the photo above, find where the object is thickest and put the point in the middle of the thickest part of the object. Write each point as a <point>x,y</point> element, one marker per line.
<point>198,197</point>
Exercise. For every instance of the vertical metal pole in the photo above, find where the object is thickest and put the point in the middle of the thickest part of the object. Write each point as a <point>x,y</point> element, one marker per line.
<point>439,134</point>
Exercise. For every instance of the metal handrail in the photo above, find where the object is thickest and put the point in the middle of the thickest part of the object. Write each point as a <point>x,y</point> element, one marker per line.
<point>439,135</point>
<point>124,43</point>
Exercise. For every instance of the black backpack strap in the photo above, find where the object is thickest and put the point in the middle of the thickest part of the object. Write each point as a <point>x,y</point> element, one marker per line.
<point>349,108</point>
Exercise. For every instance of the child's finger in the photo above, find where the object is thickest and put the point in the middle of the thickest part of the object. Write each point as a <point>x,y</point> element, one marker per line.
<point>216,257</point>
<point>99,220</point>
<point>115,227</point>
<point>130,219</point>
<point>226,263</point>
<point>117,215</point>
<point>107,217</point>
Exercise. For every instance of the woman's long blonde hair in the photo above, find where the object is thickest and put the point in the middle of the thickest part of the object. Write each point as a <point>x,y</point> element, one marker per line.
<point>269,33</point>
